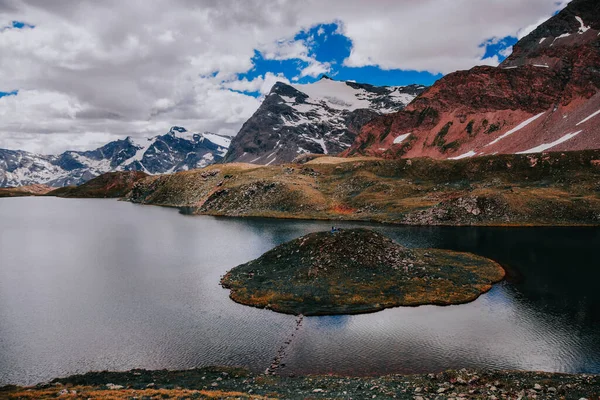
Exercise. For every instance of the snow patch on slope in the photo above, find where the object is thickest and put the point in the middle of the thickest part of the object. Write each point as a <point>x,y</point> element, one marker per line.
<point>588,118</point>
<point>221,141</point>
<point>564,35</point>
<point>546,146</point>
<point>401,138</point>
<point>516,128</point>
<point>466,155</point>
<point>321,142</point>
<point>582,29</point>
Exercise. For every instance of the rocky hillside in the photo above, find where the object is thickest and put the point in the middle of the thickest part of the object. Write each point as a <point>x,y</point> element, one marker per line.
<point>177,150</point>
<point>545,96</point>
<point>321,118</point>
<point>109,185</point>
<point>538,189</point>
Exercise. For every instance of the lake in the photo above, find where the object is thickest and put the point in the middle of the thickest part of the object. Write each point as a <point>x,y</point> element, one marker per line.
<point>107,285</point>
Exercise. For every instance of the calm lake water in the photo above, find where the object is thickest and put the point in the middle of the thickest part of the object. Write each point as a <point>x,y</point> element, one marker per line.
<point>101,284</point>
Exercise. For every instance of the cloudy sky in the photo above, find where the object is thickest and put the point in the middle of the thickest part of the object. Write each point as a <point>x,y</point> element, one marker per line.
<point>75,74</point>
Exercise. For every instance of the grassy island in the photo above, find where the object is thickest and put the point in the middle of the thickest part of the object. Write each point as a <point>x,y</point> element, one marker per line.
<point>357,271</point>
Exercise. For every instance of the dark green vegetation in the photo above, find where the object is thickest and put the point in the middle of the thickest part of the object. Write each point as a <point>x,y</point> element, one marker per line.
<point>357,271</point>
<point>233,383</point>
<point>428,113</point>
<point>536,189</point>
<point>493,128</point>
<point>440,138</point>
<point>469,127</point>
<point>111,184</point>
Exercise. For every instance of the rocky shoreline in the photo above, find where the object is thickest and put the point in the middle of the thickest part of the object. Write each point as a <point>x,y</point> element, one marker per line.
<point>236,383</point>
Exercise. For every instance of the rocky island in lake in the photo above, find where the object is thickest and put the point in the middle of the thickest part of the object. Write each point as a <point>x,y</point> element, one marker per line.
<point>357,271</point>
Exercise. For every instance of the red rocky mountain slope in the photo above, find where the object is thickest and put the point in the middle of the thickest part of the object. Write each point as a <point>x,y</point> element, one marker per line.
<point>545,96</point>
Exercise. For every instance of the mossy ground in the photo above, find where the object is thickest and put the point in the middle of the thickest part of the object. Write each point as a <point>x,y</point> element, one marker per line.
<point>357,271</point>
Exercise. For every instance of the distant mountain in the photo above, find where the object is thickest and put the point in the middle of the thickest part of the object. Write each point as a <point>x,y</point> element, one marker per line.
<point>177,150</point>
<point>322,118</point>
<point>545,96</point>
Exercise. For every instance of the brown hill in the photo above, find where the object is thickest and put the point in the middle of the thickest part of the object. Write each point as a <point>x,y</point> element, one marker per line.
<point>111,184</point>
<point>541,189</point>
<point>29,190</point>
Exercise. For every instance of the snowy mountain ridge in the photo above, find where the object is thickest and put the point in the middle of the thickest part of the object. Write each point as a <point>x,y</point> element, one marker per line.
<point>321,117</point>
<point>177,150</point>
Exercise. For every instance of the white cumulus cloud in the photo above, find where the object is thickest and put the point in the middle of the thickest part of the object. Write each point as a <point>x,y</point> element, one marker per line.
<point>91,71</point>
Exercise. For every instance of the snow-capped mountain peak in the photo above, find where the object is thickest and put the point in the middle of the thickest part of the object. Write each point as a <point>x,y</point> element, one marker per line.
<point>350,96</point>
<point>177,150</point>
<point>321,117</point>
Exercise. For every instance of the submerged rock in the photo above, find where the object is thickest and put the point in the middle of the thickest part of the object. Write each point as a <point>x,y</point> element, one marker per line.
<point>357,271</point>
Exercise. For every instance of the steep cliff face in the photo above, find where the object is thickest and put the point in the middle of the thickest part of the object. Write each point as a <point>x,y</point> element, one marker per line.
<point>322,118</point>
<point>544,96</point>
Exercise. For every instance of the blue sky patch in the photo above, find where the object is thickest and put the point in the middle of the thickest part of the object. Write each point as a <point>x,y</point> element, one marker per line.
<point>17,25</point>
<point>497,47</point>
<point>327,44</point>
<point>13,93</point>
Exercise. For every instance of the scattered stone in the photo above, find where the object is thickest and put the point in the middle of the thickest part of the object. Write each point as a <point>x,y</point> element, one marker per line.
<point>112,386</point>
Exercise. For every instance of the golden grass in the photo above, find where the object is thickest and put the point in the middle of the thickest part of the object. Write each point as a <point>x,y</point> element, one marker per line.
<point>88,392</point>
<point>343,209</point>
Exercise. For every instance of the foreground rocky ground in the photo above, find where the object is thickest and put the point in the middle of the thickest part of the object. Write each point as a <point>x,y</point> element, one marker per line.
<point>357,271</point>
<point>502,190</point>
<point>230,383</point>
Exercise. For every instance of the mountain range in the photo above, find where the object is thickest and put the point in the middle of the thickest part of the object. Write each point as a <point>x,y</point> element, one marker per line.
<point>543,97</point>
<point>177,150</point>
